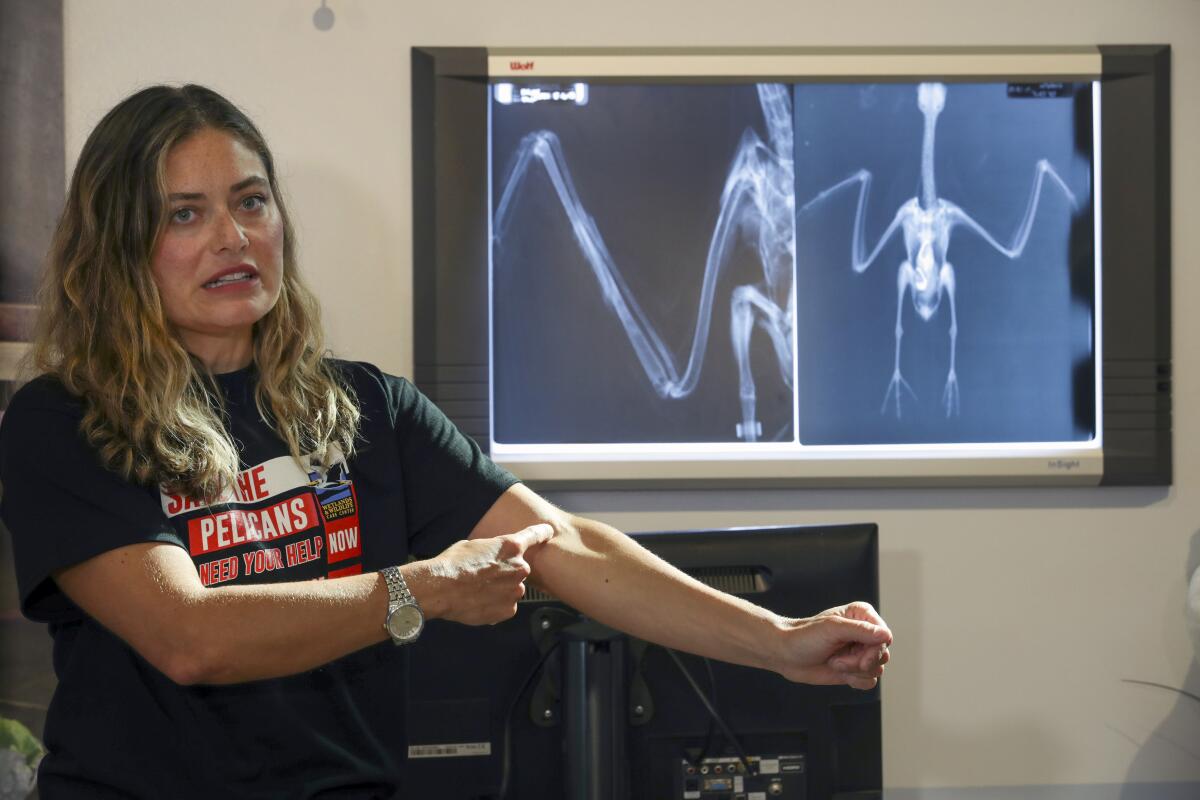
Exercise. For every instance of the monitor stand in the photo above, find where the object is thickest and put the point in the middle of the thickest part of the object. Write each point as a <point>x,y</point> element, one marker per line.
<point>594,714</point>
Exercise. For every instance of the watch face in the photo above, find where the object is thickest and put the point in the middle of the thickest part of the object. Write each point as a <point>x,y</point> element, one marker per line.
<point>405,623</point>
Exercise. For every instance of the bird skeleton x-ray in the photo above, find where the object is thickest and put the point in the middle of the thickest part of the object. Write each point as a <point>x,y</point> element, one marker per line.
<point>926,223</point>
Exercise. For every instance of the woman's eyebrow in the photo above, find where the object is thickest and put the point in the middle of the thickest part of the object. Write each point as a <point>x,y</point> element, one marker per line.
<point>253,180</point>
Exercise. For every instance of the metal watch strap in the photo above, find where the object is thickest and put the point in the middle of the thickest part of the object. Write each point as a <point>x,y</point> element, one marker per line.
<point>398,593</point>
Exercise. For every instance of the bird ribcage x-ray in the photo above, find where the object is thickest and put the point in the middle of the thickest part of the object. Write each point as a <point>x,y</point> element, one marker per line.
<point>629,231</point>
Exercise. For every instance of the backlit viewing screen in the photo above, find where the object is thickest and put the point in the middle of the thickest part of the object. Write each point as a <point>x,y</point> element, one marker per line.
<point>788,268</point>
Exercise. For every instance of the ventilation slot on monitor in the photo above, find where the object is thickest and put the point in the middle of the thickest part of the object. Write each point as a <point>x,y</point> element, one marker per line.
<point>733,580</point>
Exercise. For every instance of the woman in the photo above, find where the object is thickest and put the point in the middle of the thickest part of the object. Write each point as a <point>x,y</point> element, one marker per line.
<point>217,520</point>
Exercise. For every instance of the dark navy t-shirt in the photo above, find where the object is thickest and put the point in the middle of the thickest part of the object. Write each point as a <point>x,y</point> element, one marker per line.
<point>117,727</point>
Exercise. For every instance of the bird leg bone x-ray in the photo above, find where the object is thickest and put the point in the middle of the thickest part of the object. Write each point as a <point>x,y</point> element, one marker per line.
<point>758,200</point>
<point>926,223</point>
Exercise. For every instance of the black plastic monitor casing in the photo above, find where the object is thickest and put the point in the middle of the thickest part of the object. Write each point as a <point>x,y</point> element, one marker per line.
<point>450,256</point>
<point>462,681</point>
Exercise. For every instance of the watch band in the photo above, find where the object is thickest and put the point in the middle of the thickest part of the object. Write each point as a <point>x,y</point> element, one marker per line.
<point>398,593</point>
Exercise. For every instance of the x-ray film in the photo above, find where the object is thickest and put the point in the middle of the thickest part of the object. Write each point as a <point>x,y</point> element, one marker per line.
<point>946,264</point>
<point>808,264</point>
<point>623,231</point>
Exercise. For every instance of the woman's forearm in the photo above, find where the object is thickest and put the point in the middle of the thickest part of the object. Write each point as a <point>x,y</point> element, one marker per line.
<point>615,581</point>
<point>612,579</point>
<point>250,632</point>
<point>151,597</point>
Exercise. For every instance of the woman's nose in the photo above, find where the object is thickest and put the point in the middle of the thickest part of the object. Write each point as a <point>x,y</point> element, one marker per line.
<point>230,235</point>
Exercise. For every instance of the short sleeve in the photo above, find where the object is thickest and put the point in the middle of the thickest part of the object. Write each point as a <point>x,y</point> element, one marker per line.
<point>60,505</point>
<point>449,483</point>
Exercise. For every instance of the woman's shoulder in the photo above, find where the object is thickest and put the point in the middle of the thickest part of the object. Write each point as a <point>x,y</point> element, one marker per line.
<point>44,393</point>
<point>382,397</point>
<point>363,376</point>
<point>41,411</point>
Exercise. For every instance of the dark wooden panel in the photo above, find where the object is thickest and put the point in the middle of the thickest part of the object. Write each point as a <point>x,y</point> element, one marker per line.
<point>31,148</point>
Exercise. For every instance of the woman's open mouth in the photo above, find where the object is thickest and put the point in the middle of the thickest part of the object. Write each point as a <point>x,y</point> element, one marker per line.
<point>230,278</point>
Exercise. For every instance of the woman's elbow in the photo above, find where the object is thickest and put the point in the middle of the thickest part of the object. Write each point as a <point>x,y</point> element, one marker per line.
<point>186,662</point>
<point>184,670</point>
<point>184,650</point>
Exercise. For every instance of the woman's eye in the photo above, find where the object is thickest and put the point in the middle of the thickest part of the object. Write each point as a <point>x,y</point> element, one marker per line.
<point>183,215</point>
<point>254,202</point>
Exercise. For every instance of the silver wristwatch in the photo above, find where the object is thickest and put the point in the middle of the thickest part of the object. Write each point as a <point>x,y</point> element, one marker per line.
<point>404,618</point>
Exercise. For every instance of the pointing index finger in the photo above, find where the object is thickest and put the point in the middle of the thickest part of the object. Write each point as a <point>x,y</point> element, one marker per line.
<point>534,535</point>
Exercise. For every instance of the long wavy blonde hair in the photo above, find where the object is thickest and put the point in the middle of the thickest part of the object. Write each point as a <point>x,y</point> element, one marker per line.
<point>152,411</point>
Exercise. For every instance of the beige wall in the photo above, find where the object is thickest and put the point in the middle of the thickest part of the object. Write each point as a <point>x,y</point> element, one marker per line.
<point>1017,613</point>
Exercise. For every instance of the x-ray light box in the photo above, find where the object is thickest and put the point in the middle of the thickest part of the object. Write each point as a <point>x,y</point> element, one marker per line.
<point>798,267</point>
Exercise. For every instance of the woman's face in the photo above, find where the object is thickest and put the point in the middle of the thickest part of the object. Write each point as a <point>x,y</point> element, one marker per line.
<point>219,262</point>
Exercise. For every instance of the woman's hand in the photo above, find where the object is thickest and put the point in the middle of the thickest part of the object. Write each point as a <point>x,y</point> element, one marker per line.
<point>479,581</point>
<point>847,644</point>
